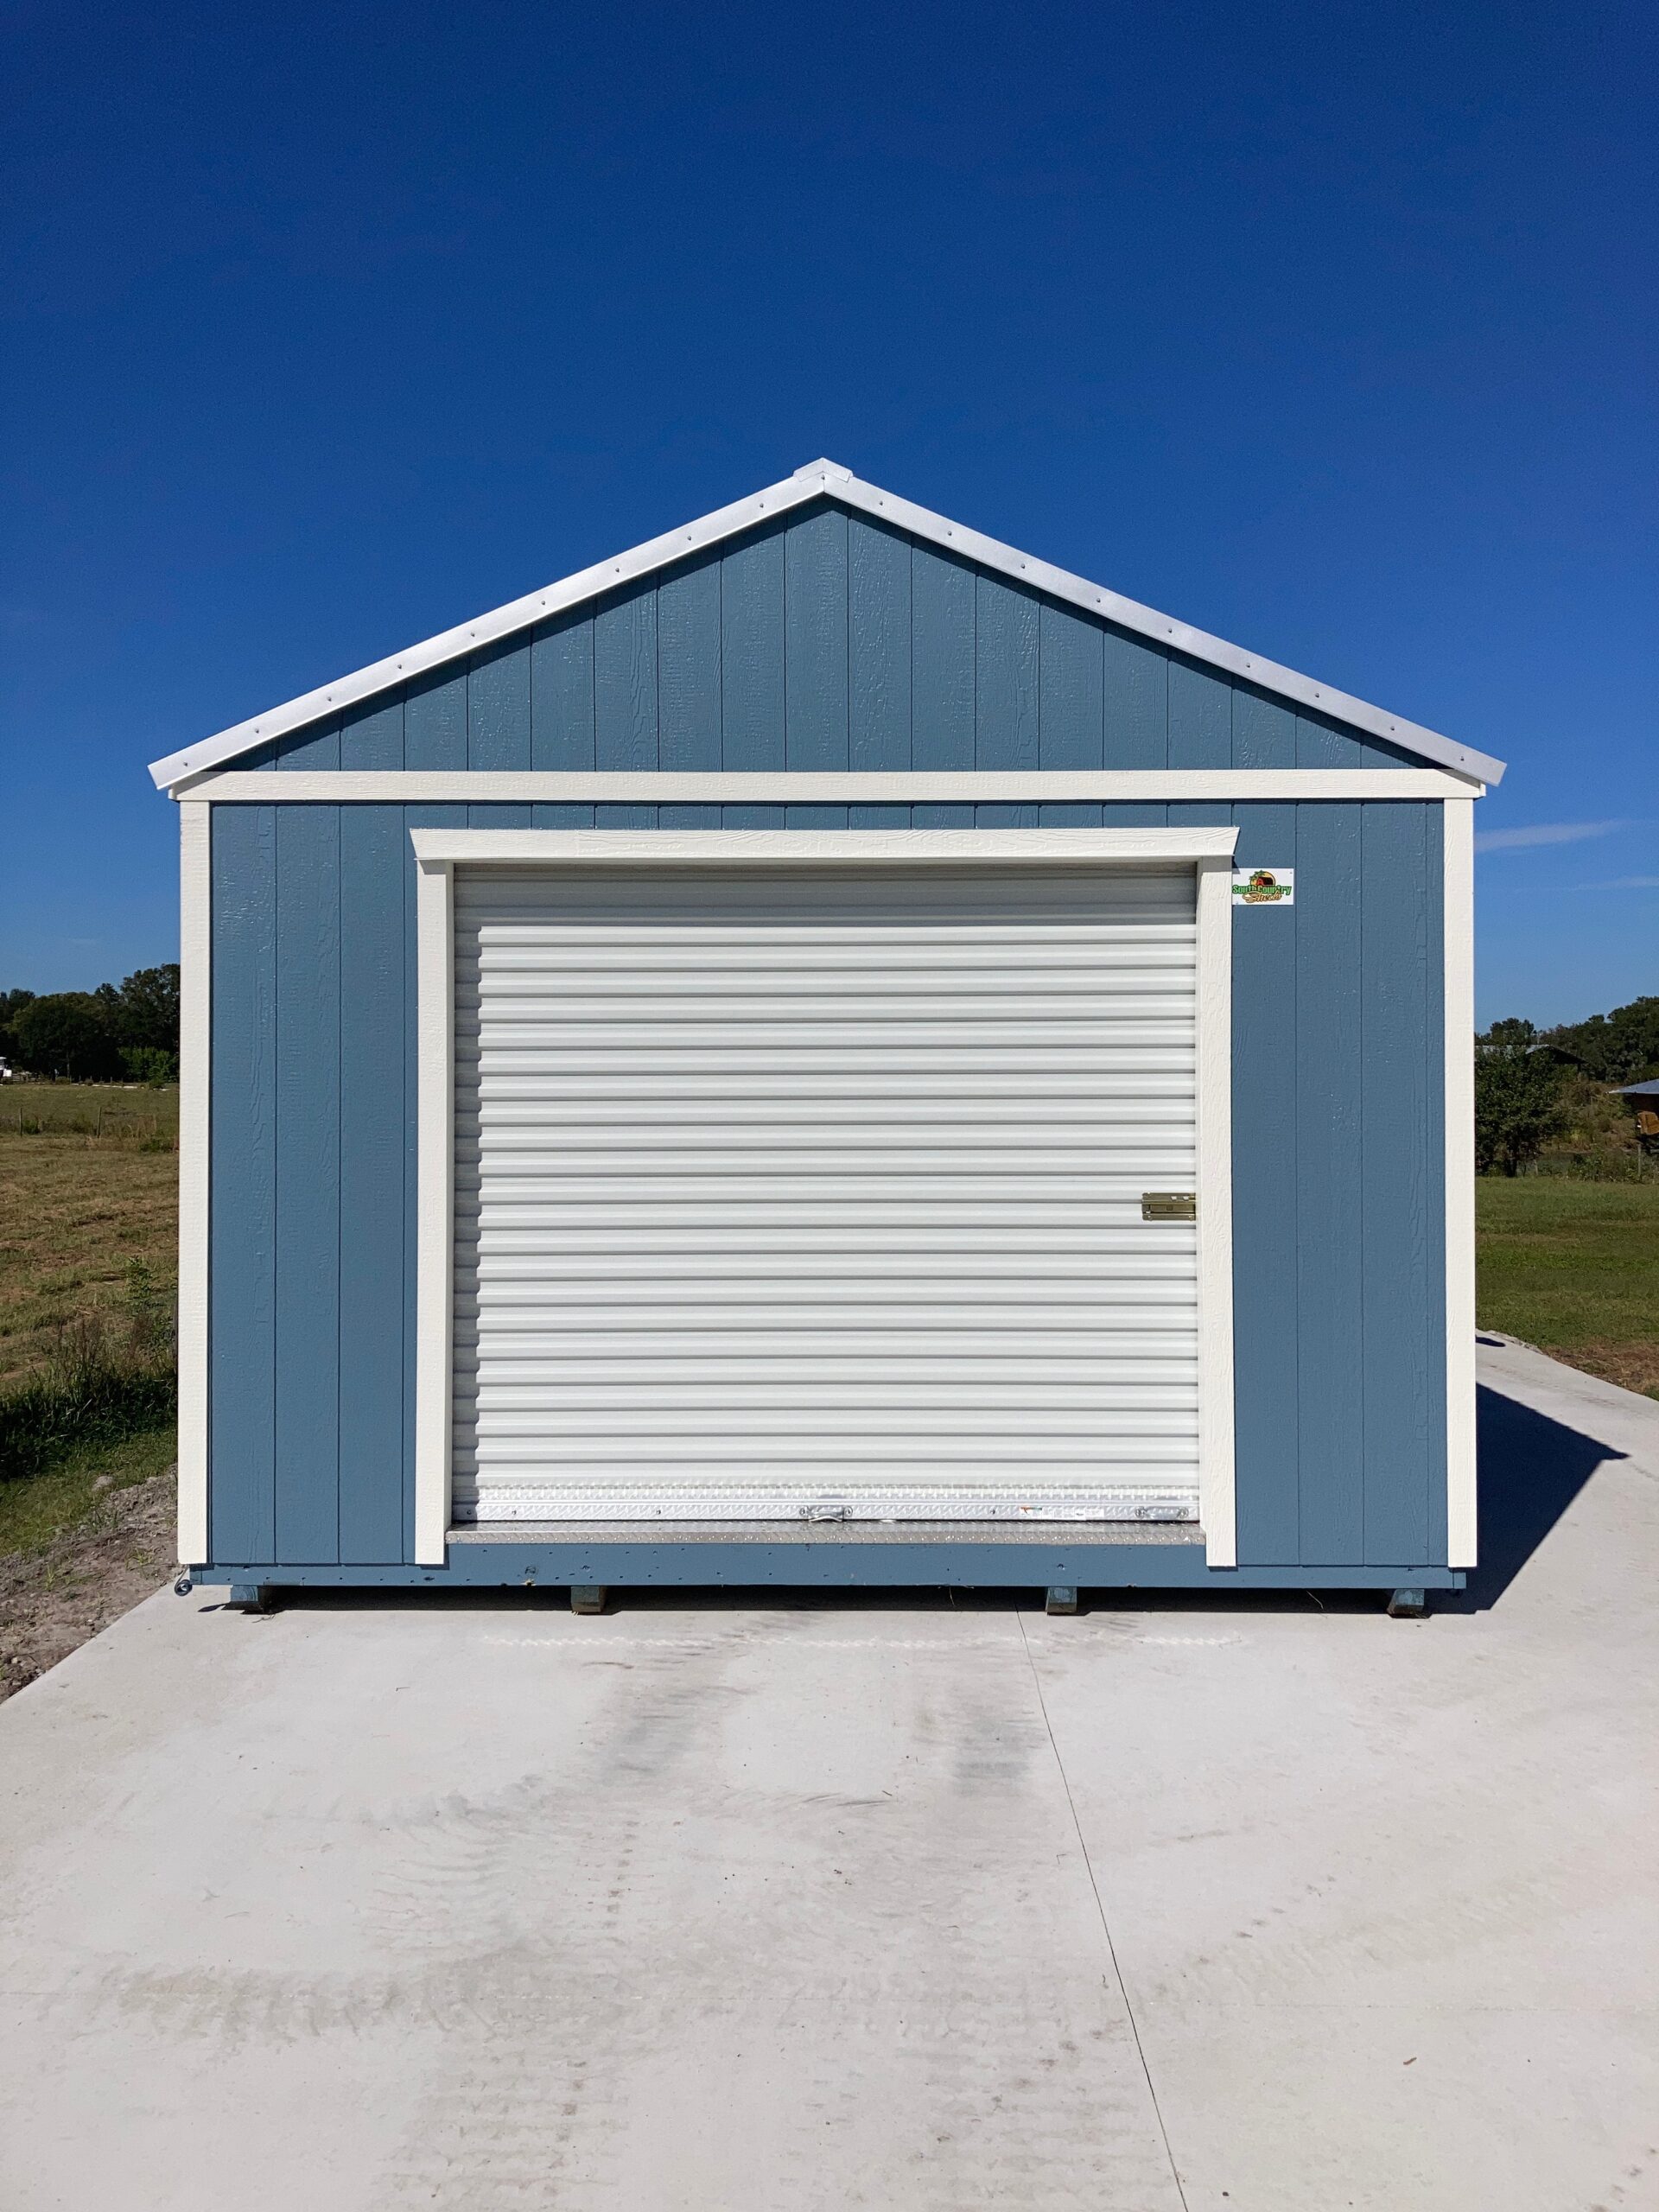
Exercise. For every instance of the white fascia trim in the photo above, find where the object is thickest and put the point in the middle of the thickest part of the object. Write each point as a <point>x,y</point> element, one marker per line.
<point>1218,1507</point>
<point>195,1020</point>
<point>816,479</point>
<point>838,847</point>
<point>402,786</point>
<point>1462,1503</point>
<point>434,1176</point>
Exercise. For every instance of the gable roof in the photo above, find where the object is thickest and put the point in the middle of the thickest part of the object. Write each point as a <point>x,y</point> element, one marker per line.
<point>819,480</point>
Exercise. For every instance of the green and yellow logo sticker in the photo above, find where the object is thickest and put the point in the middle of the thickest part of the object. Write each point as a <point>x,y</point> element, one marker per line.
<point>1264,886</point>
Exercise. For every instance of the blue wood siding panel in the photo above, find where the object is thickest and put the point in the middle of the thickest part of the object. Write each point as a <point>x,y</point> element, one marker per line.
<point>498,706</point>
<point>823,641</point>
<point>562,694</point>
<point>1322,744</point>
<point>1136,678</point>
<point>242,1188</point>
<point>878,647</point>
<point>941,662</point>
<point>1330,1259</point>
<point>1264,1199</point>
<point>307,1228</point>
<point>311,749</point>
<point>1201,716</point>
<point>752,816</point>
<point>625,681</point>
<point>1264,730</point>
<point>372,735</point>
<point>751,653</point>
<point>435,721</point>
<point>815,641</point>
<point>1072,691</point>
<point>1005,677</point>
<point>688,666</point>
<point>1399,1184</point>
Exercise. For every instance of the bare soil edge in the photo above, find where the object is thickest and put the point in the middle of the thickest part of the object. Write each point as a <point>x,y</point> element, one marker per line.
<point>1633,1367</point>
<point>52,1601</point>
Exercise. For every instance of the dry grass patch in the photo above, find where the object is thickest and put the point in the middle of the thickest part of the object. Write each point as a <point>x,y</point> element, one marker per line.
<point>76,1211</point>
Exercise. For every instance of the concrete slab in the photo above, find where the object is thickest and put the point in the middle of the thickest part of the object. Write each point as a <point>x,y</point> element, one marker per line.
<point>1251,1906</point>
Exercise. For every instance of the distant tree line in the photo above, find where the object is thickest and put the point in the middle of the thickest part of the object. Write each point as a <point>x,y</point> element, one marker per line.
<point>1622,1047</point>
<point>130,1031</point>
<point>1534,1088</point>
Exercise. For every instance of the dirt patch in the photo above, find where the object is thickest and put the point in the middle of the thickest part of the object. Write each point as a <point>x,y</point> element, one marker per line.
<point>54,1598</point>
<point>1633,1367</point>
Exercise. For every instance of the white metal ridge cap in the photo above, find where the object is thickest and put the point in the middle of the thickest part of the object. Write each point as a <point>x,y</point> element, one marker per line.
<point>817,478</point>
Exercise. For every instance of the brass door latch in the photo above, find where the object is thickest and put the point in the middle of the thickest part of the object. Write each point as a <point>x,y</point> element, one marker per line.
<point>1169,1205</point>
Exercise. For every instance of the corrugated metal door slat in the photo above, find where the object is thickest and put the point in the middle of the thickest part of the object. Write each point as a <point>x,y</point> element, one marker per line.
<point>815,1193</point>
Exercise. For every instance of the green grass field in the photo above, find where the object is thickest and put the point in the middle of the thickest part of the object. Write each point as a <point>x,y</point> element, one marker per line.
<point>89,1184</point>
<point>35,1511</point>
<point>89,1176</point>
<point>1573,1267</point>
<point>129,1111</point>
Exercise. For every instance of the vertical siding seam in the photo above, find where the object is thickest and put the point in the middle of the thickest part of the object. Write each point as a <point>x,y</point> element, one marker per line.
<point>847,653</point>
<point>972,668</point>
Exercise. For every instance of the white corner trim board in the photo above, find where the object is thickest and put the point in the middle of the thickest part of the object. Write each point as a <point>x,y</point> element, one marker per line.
<point>1218,1510</point>
<point>818,479</point>
<point>195,1018</point>
<point>669,787</point>
<point>1462,1529</point>
<point>1209,850</point>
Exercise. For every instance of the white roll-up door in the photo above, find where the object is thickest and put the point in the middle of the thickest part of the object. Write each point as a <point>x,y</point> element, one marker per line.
<point>818,1192</point>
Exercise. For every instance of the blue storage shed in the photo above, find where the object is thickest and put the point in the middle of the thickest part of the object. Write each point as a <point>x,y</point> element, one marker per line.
<point>825,1050</point>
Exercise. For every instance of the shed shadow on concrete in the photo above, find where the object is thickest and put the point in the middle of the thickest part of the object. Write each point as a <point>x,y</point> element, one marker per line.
<point>1531,1470</point>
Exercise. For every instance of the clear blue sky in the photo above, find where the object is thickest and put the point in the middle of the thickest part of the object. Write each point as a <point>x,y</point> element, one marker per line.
<point>1328,327</point>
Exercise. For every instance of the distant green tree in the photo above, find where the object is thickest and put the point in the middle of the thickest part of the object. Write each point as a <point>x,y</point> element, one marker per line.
<point>144,1011</point>
<point>149,1064</point>
<point>1518,1098</point>
<point>66,1034</point>
<point>11,1005</point>
<point>1620,1047</point>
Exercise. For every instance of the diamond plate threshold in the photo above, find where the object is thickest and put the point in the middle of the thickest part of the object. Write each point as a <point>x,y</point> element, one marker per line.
<point>1047,1534</point>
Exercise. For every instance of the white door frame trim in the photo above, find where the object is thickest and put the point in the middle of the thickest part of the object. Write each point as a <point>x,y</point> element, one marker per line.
<point>438,852</point>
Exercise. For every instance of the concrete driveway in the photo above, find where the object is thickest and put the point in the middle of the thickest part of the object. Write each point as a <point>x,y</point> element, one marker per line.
<point>1252,1907</point>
